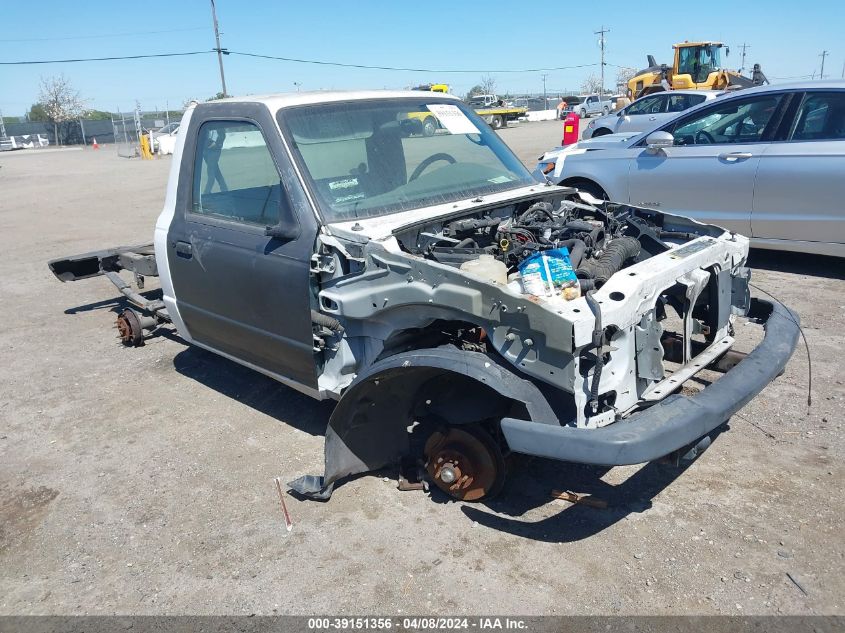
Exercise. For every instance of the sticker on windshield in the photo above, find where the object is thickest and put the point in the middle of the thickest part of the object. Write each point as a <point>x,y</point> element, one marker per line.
<point>343,184</point>
<point>498,180</point>
<point>451,117</point>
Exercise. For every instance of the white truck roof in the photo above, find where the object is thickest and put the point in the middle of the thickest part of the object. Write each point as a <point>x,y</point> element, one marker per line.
<point>285,100</point>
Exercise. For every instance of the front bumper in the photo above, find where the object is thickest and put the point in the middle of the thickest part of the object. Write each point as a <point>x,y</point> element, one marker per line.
<point>675,422</point>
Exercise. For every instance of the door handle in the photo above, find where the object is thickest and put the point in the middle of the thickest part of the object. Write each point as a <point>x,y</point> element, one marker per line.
<point>652,118</point>
<point>184,249</point>
<point>735,156</point>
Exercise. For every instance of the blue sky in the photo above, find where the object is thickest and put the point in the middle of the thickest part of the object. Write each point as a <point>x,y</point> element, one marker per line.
<point>785,37</point>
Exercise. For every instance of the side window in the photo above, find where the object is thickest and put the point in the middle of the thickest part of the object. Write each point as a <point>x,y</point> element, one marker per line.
<point>736,121</point>
<point>694,100</point>
<point>646,105</point>
<point>821,117</point>
<point>679,103</point>
<point>235,177</point>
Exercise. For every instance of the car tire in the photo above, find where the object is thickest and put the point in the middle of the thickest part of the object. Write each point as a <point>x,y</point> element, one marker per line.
<point>429,126</point>
<point>497,123</point>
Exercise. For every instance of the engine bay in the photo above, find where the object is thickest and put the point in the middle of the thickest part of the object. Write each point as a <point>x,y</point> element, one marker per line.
<point>599,240</point>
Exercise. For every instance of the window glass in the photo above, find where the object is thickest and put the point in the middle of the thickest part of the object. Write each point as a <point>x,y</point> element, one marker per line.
<point>376,157</point>
<point>821,117</point>
<point>737,121</point>
<point>679,103</point>
<point>235,177</point>
<point>646,105</point>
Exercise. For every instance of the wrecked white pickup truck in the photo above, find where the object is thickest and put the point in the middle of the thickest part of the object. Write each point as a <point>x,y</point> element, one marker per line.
<point>324,240</point>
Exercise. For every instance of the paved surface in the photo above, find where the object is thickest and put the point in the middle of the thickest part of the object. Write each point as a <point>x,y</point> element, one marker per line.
<point>141,480</point>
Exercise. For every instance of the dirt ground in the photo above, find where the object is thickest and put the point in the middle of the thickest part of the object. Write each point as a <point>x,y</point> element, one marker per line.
<point>141,480</point>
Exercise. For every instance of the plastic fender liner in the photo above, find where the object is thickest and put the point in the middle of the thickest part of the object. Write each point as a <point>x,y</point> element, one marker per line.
<point>369,427</point>
<point>676,421</point>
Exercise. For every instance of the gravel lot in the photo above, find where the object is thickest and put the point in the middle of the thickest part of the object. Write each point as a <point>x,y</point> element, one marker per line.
<point>141,480</point>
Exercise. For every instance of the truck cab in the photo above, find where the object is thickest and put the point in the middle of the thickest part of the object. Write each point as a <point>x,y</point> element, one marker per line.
<point>484,101</point>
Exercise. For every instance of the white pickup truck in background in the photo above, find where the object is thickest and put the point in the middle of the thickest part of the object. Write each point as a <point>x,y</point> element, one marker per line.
<point>594,105</point>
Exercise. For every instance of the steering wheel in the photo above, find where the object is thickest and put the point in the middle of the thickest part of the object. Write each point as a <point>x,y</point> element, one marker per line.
<point>703,137</point>
<point>428,161</point>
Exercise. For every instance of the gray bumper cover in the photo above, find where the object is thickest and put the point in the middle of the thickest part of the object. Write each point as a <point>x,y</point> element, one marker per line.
<point>675,422</point>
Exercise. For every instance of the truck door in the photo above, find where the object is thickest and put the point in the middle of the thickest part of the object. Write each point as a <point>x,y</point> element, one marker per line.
<point>239,292</point>
<point>709,174</point>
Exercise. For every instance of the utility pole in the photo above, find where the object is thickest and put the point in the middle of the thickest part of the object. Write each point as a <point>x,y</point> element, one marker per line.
<point>545,103</point>
<point>843,70</point>
<point>218,49</point>
<point>601,33</point>
<point>2,126</point>
<point>823,55</point>
<point>744,47</point>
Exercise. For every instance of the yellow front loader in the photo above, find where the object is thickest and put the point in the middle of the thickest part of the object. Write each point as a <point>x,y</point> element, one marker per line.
<point>697,65</point>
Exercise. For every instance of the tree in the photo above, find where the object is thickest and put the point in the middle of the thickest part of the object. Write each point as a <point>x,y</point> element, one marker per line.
<point>623,76</point>
<point>591,85</point>
<point>475,90</point>
<point>36,113</point>
<point>219,95</point>
<point>488,84</point>
<point>60,102</point>
<point>98,115</point>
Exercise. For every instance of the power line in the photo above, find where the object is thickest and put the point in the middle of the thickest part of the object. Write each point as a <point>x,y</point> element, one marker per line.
<point>101,59</point>
<point>301,61</point>
<point>93,37</point>
<point>399,68</point>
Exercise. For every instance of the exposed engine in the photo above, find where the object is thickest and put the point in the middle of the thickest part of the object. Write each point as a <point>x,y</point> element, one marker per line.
<point>599,241</point>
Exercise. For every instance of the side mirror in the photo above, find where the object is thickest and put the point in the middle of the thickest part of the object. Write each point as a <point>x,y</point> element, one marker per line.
<point>287,228</point>
<point>656,142</point>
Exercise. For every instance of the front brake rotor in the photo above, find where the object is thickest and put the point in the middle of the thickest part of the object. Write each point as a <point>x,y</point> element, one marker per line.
<point>465,463</point>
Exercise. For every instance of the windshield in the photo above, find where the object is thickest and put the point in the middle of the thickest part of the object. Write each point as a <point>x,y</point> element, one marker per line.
<point>477,101</point>
<point>371,158</point>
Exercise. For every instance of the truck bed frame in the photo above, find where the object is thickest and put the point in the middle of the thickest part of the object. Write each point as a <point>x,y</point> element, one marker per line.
<point>147,314</point>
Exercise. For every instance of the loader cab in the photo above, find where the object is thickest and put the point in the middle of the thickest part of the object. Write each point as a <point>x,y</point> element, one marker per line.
<point>697,60</point>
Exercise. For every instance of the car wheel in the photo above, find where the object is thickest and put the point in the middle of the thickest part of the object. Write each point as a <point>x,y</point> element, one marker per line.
<point>429,126</point>
<point>497,123</point>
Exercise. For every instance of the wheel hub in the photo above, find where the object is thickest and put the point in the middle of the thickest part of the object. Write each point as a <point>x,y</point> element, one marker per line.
<point>129,328</point>
<point>465,463</point>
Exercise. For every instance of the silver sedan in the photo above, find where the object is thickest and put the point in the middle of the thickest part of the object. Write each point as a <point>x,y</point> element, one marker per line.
<point>765,162</point>
<point>649,112</point>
